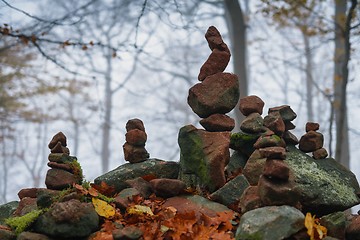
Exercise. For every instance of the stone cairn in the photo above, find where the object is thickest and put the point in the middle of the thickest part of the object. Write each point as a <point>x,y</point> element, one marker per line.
<point>65,170</point>
<point>313,141</point>
<point>134,147</point>
<point>215,95</point>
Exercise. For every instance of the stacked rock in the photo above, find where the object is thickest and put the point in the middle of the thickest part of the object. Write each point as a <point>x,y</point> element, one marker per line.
<point>218,92</point>
<point>134,147</point>
<point>313,141</point>
<point>65,170</point>
<point>215,95</point>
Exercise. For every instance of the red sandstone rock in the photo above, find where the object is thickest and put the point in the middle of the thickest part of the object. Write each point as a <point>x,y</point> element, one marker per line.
<point>166,187</point>
<point>27,192</point>
<point>59,137</point>
<point>136,137</point>
<point>251,104</point>
<point>289,125</point>
<point>311,141</point>
<point>58,179</point>
<point>273,153</point>
<point>64,166</point>
<point>135,124</point>
<point>26,205</point>
<point>277,193</point>
<point>216,63</point>
<point>277,169</point>
<point>134,154</point>
<point>312,126</point>
<point>269,141</point>
<point>250,199</point>
<point>320,153</point>
<point>274,122</point>
<point>218,123</point>
<point>220,56</point>
<point>353,229</point>
<point>218,93</point>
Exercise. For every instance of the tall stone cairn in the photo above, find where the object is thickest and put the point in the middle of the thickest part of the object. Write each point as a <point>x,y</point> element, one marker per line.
<point>205,153</point>
<point>64,169</point>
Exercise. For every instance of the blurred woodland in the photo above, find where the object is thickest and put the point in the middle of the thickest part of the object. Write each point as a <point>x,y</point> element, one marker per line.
<point>85,67</point>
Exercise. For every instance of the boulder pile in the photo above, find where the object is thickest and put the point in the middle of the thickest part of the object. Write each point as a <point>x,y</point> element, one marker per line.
<point>268,188</point>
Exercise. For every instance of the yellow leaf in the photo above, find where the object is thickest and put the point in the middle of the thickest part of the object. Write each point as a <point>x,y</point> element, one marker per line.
<point>139,209</point>
<point>103,208</point>
<point>314,229</point>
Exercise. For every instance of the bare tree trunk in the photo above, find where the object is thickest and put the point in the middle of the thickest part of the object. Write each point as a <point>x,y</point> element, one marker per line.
<point>309,77</point>
<point>341,73</point>
<point>106,125</point>
<point>237,28</point>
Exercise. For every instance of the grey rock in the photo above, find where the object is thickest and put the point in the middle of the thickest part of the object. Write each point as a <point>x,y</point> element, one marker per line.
<point>335,224</point>
<point>7,209</point>
<point>325,186</point>
<point>230,193</point>
<point>159,168</point>
<point>237,162</point>
<point>253,123</point>
<point>274,222</point>
<point>71,219</point>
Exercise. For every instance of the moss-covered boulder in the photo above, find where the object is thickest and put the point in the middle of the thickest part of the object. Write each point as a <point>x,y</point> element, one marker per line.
<point>325,185</point>
<point>204,154</point>
<point>243,142</point>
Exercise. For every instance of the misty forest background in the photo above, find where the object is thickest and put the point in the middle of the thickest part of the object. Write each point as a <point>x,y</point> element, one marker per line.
<point>84,67</point>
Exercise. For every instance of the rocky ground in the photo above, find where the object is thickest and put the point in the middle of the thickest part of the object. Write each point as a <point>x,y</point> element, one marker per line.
<point>272,185</point>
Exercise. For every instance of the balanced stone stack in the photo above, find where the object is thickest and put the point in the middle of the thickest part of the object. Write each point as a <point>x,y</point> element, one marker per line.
<point>134,147</point>
<point>205,153</point>
<point>313,141</point>
<point>65,170</point>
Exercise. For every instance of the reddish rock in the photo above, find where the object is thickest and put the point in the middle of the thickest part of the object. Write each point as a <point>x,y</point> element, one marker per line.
<point>136,137</point>
<point>58,148</point>
<point>135,124</point>
<point>289,125</point>
<point>127,233</point>
<point>205,154</point>
<point>290,138</point>
<point>61,158</point>
<point>27,192</point>
<point>64,166</point>
<point>285,111</point>
<point>165,187</point>
<point>253,123</point>
<point>220,56</point>
<point>250,199</point>
<point>274,122</point>
<point>269,141</point>
<point>320,153</point>
<point>59,137</point>
<point>353,229</point>
<point>273,152</point>
<point>276,169</point>
<point>125,197</point>
<point>141,185</point>
<point>215,40</point>
<point>311,126</point>
<point>254,168</point>
<point>277,193</point>
<point>216,63</point>
<point>251,104</point>
<point>218,123</point>
<point>58,179</point>
<point>135,154</point>
<point>6,233</point>
<point>25,206</point>
<point>311,141</point>
<point>218,93</point>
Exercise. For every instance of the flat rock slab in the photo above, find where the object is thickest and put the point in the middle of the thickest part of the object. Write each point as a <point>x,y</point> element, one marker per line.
<point>325,185</point>
<point>155,167</point>
<point>274,222</point>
